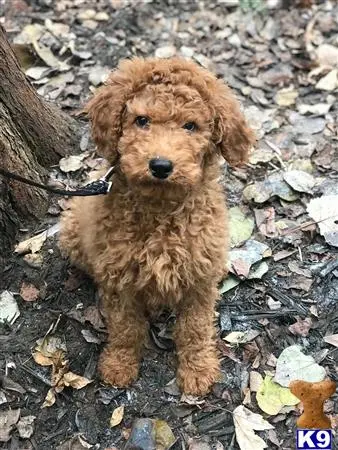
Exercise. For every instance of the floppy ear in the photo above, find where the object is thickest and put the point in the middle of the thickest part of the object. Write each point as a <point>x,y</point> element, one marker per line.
<point>232,135</point>
<point>105,111</point>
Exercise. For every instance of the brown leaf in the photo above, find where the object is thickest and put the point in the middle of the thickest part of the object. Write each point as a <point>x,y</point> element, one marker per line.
<point>301,283</point>
<point>265,221</point>
<point>226,351</point>
<point>90,314</point>
<point>333,339</point>
<point>283,254</point>
<point>29,292</point>
<point>294,267</point>
<point>301,327</point>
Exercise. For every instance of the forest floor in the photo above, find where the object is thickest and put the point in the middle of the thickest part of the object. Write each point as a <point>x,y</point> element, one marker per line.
<point>283,288</point>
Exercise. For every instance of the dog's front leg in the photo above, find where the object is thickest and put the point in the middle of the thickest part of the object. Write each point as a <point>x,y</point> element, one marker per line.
<point>127,331</point>
<point>198,363</point>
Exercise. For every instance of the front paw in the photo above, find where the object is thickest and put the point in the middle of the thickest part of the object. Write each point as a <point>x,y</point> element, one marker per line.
<point>198,379</point>
<point>118,367</point>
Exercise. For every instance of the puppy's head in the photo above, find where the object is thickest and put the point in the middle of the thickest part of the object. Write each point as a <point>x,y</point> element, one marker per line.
<point>163,118</point>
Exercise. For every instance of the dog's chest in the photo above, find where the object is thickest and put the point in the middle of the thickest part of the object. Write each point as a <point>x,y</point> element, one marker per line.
<point>150,251</point>
<point>164,253</point>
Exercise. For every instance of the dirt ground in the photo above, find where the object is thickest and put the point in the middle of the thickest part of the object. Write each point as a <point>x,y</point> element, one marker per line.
<point>282,64</point>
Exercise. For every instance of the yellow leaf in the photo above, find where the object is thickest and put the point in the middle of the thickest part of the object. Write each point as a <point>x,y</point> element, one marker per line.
<point>50,399</point>
<point>117,416</point>
<point>75,381</point>
<point>271,397</point>
<point>286,97</point>
<point>164,437</point>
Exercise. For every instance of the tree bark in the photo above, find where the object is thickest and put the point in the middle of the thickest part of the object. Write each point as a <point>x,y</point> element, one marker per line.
<point>33,136</point>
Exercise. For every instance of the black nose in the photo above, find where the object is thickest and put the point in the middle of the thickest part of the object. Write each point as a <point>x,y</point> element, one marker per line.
<point>160,168</point>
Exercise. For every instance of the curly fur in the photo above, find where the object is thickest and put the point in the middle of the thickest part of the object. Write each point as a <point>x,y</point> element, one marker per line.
<point>152,244</point>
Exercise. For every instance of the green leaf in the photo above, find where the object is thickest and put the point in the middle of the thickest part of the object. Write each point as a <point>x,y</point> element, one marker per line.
<point>241,226</point>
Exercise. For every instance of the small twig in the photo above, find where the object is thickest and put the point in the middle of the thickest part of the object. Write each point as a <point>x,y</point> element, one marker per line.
<point>332,265</point>
<point>305,225</point>
<point>300,254</point>
<point>287,301</point>
<point>277,152</point>
<point>264,314</point>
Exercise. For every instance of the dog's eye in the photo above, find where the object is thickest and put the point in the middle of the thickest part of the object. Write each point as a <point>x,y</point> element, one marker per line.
<point>142,121</point>
<point>190,126</point>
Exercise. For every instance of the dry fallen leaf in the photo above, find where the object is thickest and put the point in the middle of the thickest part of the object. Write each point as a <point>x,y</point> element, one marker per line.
<point>50,399</point>
<point>327,55</point>
<point>283,254</point>
<point>300,181</point>
<point>51,351</point>
<point>329,82</point>
<point>293,364</point>
<point>324,210</point>
<point>35,243</point>
<point>8,419</point>
<point>332,339</point>
<point>319,109</point>
<point>98,75</point>
<point>265,221</point>
<point>117,416</point>
<point>49,58</point>
<point>75,381</point>
<point>241,337</point>
<point>25,426</point>
<point>191,399</point>
<point>90,314</point>
<point>295,268</point>
<point>71,163</point>
<point>256,380</point>
<point>242,258</point>
<point>245,423</point>
<point>286,97</point>
<point>29,292</point>
<point>274,185</point>
<point>9,310</point>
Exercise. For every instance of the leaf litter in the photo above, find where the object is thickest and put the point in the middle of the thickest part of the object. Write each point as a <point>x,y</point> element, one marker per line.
<point>291,105</point>
<point>51,351</point>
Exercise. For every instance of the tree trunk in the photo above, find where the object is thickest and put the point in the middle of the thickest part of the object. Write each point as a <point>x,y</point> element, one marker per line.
<point>33,136</point>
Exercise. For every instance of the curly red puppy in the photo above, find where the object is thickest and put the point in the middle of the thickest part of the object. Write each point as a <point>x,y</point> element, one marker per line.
<point>160,238</point>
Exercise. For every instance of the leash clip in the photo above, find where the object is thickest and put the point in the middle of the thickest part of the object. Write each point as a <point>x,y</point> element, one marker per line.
<point>106,177</point>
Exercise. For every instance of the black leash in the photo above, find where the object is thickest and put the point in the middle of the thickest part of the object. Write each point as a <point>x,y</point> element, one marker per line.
<point>98,187</point>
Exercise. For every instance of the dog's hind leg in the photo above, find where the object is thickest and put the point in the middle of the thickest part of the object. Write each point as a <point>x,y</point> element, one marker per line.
<point>70,241</point>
